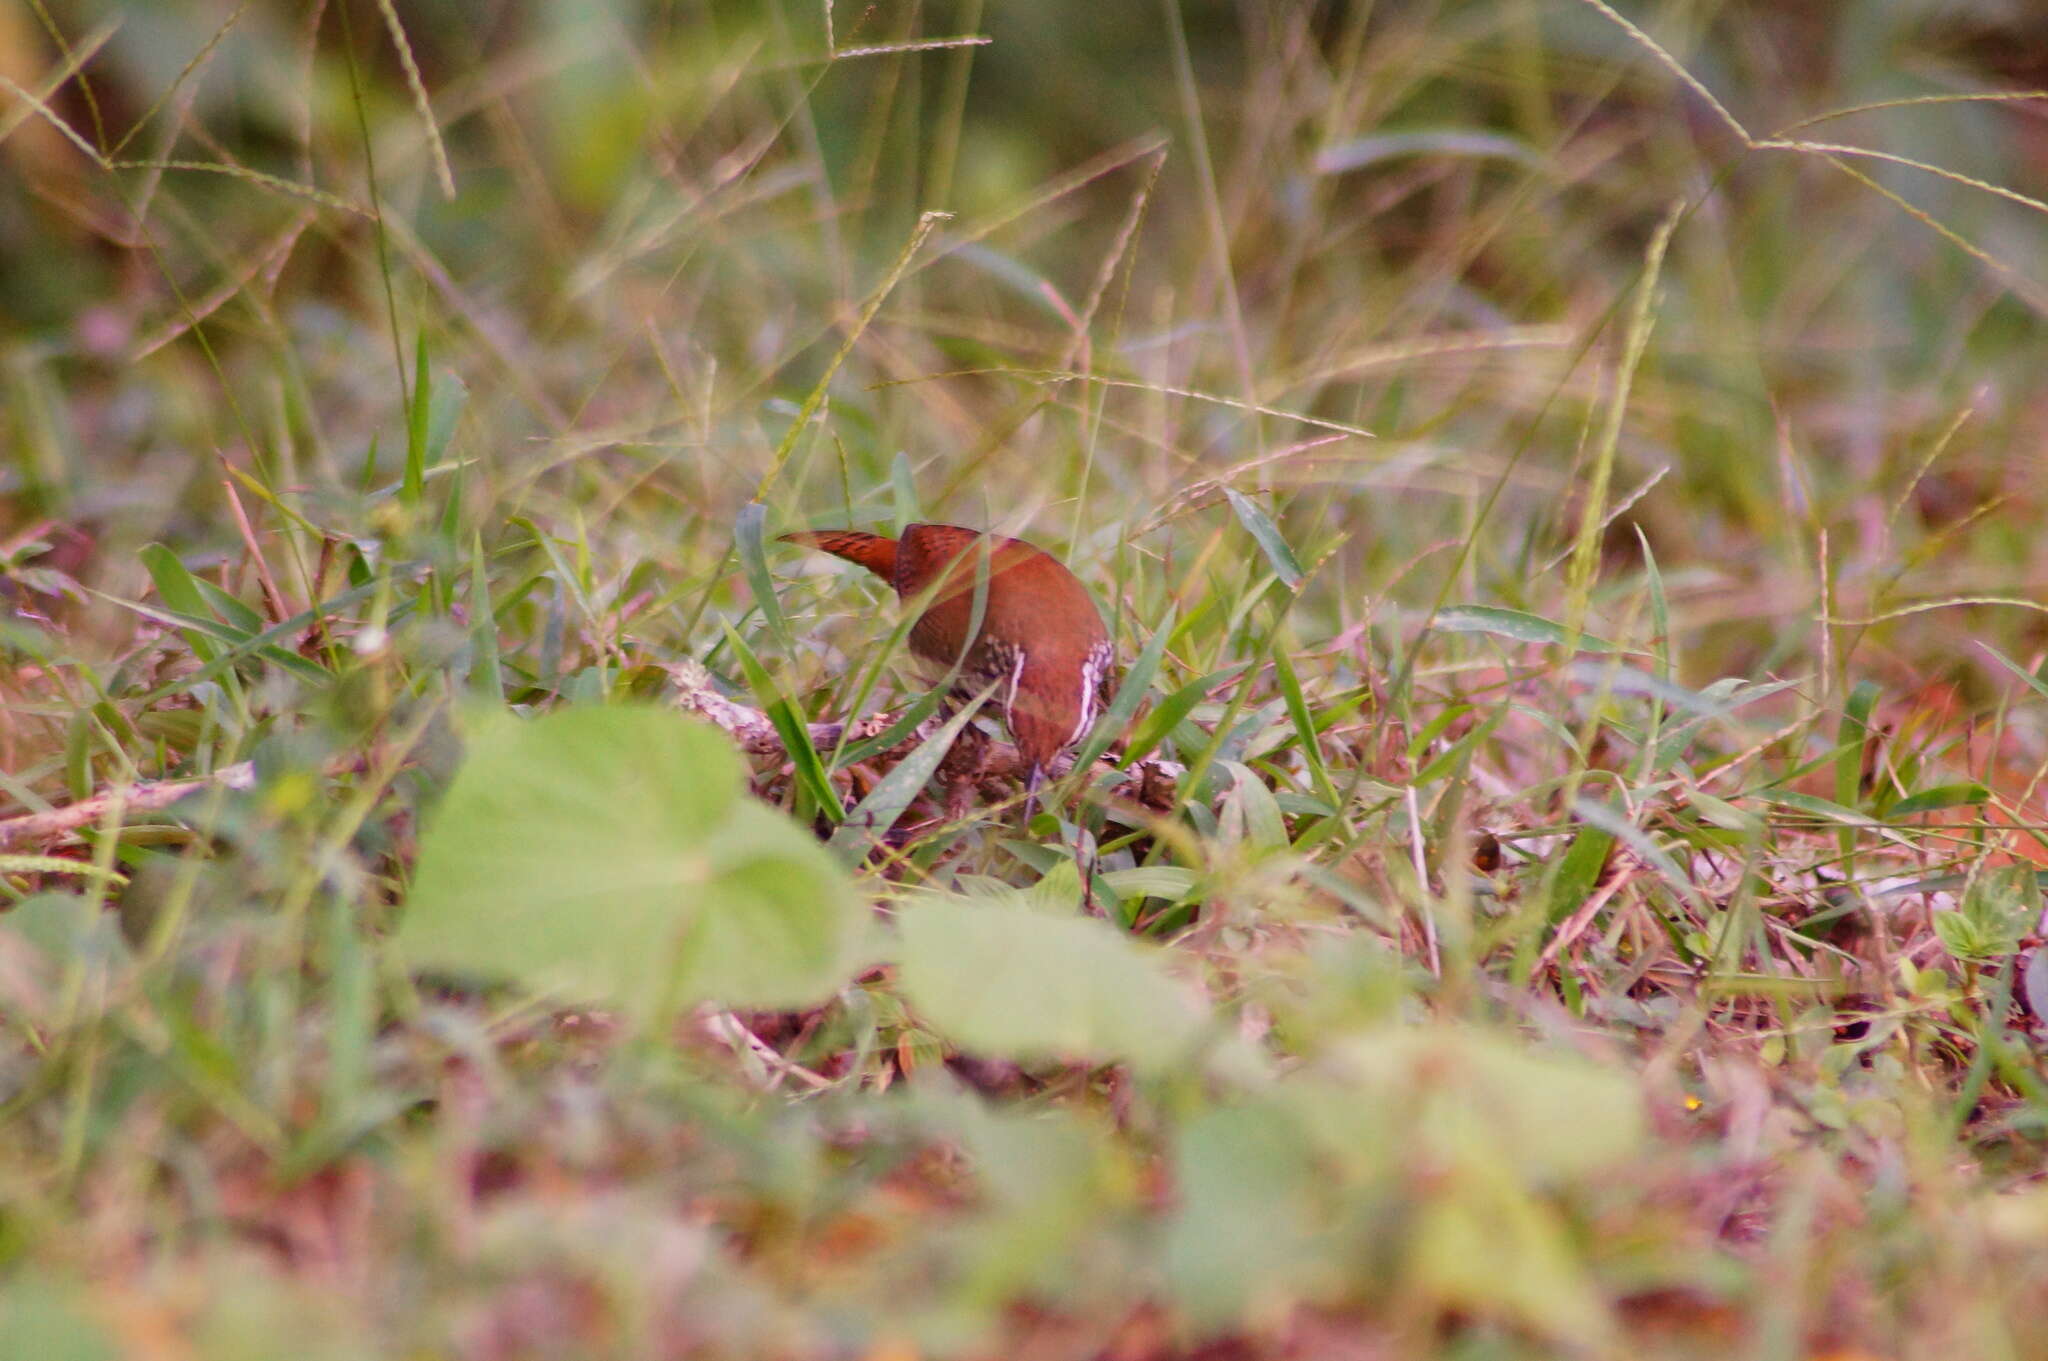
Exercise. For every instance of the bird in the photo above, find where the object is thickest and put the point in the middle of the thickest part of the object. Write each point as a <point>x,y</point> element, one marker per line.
<point>1041,641</point>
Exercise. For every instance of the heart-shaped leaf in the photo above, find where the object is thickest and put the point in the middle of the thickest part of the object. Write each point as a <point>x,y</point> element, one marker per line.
<point>609,854</point>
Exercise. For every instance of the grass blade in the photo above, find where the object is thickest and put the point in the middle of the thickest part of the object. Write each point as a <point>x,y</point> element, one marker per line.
<point>874,815</point>
<point>789,725</point>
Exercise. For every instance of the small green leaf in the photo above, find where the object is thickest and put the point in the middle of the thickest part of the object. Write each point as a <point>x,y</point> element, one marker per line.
<point>1963,938</point>
<point>1455,756</point>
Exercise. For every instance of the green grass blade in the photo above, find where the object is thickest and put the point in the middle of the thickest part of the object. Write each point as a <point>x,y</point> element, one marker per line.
<point>874,815</point>
<point>1270,540</point>
<point>181,595</point>
<point>789,725</point>
<point>750,542</point>
<point>486,676</point>
<point>414,482</point>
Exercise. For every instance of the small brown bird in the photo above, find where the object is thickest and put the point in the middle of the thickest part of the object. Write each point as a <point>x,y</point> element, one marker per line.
<point>1041,638</point>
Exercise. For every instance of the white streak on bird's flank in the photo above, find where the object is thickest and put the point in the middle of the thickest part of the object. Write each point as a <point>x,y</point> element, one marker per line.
<point>1093,669</point>
<point>1016,678</point>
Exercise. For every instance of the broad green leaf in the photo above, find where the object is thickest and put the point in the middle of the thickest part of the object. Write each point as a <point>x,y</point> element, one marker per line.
<point>609,854</point>
<point>1057,892</point>
<point>450,395</point>
<point>1545,1114</point>
<point>233,612</point>
<point>1244,1231</point>
<point>1011,983</point>
<point>1485,1247</point>
<point>1720,813</point>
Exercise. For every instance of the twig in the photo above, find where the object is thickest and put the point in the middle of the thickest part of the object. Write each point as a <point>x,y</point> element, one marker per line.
<point>728,1030</point>
<point>140,798</point>
<point>279,611</point>
<point>1436,962</point>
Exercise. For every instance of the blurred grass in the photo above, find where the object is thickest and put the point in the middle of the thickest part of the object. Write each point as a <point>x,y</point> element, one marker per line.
<point>1764,1083</point>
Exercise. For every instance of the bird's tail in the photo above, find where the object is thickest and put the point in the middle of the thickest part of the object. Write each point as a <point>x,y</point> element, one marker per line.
<point>876,552</point>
